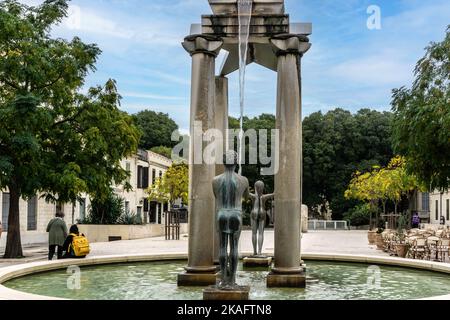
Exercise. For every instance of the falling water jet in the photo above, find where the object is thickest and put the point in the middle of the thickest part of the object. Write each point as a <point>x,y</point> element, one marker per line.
<point>244,17</point>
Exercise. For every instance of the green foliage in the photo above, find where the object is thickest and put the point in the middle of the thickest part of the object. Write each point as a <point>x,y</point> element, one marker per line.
<point>359,215</point>
<point>337,144</point>
<point>253,172</point>
<point>382,184</point>
<point>422,118</point>
<point>163,151</point>
<point>105,211</point>
<point>129,218</point>
<point>54,139</point>
<point>157,129</point>
<point>173,185</point>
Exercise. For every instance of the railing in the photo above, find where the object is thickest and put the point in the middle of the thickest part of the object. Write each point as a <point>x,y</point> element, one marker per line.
<point>327,225</point>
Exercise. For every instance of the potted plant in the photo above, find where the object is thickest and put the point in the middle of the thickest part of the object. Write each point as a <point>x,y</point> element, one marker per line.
<point>379,237</point>
<point>401,247</point>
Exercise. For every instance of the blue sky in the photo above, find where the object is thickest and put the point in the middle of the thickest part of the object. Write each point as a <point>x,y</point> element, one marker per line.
<point>348,66</point>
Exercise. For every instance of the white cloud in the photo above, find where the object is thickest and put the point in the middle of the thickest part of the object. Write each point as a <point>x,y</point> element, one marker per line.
<point>387,68</point>
<point>149,96</point>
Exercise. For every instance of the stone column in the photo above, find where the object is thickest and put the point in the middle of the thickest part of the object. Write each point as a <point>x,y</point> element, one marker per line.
<point>221,124</point>
<point>201,270</point>
<point>287,271</point>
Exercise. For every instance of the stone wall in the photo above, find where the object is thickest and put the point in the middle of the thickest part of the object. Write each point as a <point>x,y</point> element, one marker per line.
<point>101,233</point>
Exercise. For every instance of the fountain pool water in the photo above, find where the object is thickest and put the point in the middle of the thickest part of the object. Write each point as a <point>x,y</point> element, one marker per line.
<point>157,281</point>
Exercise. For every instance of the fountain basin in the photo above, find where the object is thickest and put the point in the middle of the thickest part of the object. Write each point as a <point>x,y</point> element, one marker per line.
<point>150,277</point>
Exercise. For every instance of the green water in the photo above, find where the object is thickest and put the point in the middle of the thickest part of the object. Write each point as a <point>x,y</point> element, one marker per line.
<point>157,281</point>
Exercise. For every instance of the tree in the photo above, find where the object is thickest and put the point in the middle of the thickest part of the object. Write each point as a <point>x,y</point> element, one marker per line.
<point>422,118</point>
<point>53,139</point>
<point>157,129</point>
<point>163,151</point>
<point>337,144</point>
<point>253,171</point>
<point>173,185</point>
<point>382,184</point>
<point>106,211</point>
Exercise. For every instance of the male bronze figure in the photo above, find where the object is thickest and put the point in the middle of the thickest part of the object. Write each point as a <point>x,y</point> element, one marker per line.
<point>229,190</point>
<point>258,217</point>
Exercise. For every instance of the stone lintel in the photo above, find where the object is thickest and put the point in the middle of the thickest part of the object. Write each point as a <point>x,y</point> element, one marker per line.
<point>276,280</point>
<point>213,293</point>
<point>187,279</point>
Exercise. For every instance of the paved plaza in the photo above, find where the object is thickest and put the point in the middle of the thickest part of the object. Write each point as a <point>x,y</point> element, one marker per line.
<point>339,242</point>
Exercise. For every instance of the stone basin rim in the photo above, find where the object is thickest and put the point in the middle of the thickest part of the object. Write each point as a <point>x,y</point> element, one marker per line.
<point>18,271</point>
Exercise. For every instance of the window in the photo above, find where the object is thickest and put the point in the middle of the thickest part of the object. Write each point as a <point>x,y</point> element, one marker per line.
<point>160,174</point>
<point>448,209</point>
<point>153,176</point>
<point>128,168</point>
<point>5,211</point>
<point>160,209</point>
<point>82,208</point>
<point>437,210</point>
<point>139,177</point>
<point>32,214</point>
<point>426,202</point>
<point>142,178</point>
<point>127,206</point>
<point>145,178</point>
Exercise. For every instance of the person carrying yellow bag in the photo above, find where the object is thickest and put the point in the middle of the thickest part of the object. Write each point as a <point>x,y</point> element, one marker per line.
<point>76,245</point>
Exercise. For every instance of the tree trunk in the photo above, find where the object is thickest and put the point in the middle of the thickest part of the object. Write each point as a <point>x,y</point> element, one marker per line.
<point>13,248</point>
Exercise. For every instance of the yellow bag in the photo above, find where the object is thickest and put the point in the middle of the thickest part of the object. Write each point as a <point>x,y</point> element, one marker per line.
<point>80,245</point>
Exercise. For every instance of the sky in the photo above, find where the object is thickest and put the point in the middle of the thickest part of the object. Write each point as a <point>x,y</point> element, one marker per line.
<point>349,65</point>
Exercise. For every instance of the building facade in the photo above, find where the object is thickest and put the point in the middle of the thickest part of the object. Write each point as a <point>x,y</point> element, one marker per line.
<point>145,167</point>
<point>440,207</point>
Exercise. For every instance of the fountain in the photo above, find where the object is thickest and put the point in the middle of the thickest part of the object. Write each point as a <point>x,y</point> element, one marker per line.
<point>244,20</point>
<point>268,39</point>
<point>250,31</point>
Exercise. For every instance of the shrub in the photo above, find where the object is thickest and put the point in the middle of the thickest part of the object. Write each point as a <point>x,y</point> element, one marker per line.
<point>129,218</point>
<point>359,215</point>
<point>106,211</point>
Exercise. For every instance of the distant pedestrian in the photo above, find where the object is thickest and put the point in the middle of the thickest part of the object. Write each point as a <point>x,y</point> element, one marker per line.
<point>415,221</point>
<point>57,233</point>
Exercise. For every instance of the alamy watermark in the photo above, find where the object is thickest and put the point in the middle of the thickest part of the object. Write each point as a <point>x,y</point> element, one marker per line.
<point>74,279</point>
<point>209,147</point>
<point>73,21</point>
<point>374,277</point>
<point>374,20</point>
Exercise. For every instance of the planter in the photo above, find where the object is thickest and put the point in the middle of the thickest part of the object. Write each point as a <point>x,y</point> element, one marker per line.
<point>106,233</point>
<point>402,250</point>
<point>379,241</point>
<point>371,236</point>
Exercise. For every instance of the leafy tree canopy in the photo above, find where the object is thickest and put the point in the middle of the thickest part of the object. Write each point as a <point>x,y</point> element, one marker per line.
<point>422,117</point>
<point>163,151</point>
<point>337,144</point>
<point>54,139</point>
<point>156,128</point>
<point>173,185</point>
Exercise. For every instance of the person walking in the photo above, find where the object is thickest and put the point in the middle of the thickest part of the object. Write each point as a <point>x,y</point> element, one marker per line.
<point>57,233</point>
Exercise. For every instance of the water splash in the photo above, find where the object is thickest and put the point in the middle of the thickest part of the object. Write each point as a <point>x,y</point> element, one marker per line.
<point>244,16</point>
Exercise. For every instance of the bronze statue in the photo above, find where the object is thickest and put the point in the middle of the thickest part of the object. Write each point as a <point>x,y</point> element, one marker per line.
<point>229,189</point>
<point>258,216</point>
